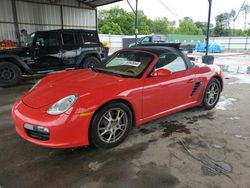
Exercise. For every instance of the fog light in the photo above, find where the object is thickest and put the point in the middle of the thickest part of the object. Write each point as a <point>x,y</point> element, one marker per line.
<point>36,128</point>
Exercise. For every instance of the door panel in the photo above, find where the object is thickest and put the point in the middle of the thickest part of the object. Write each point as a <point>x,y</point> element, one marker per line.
<point>47,53</point>
<point>162,94</point>
<point>165,93</point>
<point>69,49</point>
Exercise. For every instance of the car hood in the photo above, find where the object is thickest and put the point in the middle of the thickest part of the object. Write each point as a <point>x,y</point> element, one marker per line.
<point>80,82</point>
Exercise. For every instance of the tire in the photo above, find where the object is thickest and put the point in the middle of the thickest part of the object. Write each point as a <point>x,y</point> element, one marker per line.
<point>111,125</point>
<point>212,94</point>
<point>10,74</point>
<point>90,62</point>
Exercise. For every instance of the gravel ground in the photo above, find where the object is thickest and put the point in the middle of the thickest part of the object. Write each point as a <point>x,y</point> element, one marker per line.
<point>192,148</point>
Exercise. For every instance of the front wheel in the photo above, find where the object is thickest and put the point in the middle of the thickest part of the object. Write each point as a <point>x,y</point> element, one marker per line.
<point>212,94</point>
<point>111,125</point>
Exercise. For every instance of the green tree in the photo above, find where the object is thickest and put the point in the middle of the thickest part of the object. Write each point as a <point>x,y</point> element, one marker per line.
<point>119,21</point>
<point>188,27</point>
<point>223,24</point>
<point>113,17</point>
<point>144,23</point>
<point>111,28</point>
<point>232,18</point>
<point>203,26</point>
<point>161,26</point>
<point>248,32</point>
<point>222,27</point>
<point>246,10</point>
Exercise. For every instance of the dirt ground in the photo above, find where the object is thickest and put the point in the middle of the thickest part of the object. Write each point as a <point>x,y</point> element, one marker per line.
<point>192,148</point>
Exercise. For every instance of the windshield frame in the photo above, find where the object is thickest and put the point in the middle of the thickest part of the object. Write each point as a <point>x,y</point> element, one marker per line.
<point>109,58</point>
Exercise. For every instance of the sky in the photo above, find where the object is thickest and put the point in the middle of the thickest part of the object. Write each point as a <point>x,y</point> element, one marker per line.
<point>196,9</point>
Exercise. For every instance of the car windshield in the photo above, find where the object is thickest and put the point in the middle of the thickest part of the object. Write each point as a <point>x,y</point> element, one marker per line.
<point>126,64</point>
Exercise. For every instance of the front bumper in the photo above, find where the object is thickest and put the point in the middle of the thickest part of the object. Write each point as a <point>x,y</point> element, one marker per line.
<point>65,130</point>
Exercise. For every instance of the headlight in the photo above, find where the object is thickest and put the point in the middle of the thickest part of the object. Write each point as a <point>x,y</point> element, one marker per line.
<point>62,105</point>
<point>35,85</point>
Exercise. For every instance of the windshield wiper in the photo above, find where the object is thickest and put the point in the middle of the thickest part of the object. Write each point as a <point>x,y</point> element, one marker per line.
<point>111,73</point>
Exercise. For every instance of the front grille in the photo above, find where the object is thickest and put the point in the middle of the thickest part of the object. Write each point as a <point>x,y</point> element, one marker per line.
<point>37,134</point>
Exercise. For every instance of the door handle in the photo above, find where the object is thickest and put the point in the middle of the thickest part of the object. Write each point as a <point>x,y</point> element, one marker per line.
<point>190,80</point>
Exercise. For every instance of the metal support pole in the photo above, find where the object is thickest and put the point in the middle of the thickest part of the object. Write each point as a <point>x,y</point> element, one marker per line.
<point>96,19</point>
<point>18,37</point>
<point>208,25</point>
<point>61,15</point>
<point>136,21</point>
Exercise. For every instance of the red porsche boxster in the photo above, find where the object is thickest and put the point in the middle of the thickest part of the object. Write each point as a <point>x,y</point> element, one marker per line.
<point>100,105</point>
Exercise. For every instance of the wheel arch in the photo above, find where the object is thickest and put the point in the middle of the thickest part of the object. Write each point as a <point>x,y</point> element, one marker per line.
<point>220,80</point>
<point>13,61</point>
<point>17,61</point>
<point>85,55</point>
<point>92,55</point>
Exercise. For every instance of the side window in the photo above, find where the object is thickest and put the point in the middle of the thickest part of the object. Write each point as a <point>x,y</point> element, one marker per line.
<point>172,62</point>
<point>79,39</point>
<point>145,40</point>
<point>68,39</point>
<point>90,38</point>
<point>47,39</point>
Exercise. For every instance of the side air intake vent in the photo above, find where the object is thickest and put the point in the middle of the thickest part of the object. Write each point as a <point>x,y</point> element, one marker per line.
<point>196,87</point>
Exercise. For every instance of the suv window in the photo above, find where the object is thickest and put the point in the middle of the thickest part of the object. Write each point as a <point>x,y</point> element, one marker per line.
<point>47,39</point>
<point>90,38</point>
<point>68,39</point>
<point>146,40</point>
<point>172,62</point>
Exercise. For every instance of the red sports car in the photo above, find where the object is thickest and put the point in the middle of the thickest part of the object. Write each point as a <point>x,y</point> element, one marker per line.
<point>100,105</point>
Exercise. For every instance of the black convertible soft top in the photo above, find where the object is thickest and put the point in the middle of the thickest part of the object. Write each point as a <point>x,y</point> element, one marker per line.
<point>160,50</point>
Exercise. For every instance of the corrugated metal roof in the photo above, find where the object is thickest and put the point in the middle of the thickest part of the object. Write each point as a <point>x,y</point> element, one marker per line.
<point>96,3</point>
<point>37,13</point>
<point>89,3</point>
<point>6,14</point>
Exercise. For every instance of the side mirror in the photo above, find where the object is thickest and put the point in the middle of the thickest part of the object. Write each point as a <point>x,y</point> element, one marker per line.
<point>161,73</point>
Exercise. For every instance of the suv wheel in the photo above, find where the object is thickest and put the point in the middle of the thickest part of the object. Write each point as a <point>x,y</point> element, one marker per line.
<point>90,62</point>
<point>10,74</point>
<point>111,125</point>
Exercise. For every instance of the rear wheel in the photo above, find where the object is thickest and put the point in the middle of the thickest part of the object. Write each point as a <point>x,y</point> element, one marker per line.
<point>90,62</point>
<point>212,94</point>
<point>10,74</point>
<point>111,125</point>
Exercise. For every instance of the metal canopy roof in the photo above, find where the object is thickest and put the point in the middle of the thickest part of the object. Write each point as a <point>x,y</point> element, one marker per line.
<point>97,3</point>
<point>88,3</point>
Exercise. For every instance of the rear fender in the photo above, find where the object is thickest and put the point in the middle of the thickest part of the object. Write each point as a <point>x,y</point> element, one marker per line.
<point>18,61</point>
<point>86,54</point>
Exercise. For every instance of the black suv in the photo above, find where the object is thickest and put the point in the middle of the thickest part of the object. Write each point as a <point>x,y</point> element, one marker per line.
<point>47,51</point>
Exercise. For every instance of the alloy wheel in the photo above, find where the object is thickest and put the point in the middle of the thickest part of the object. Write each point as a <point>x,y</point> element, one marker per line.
<point>112,125</point>
<point>212,94</point>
